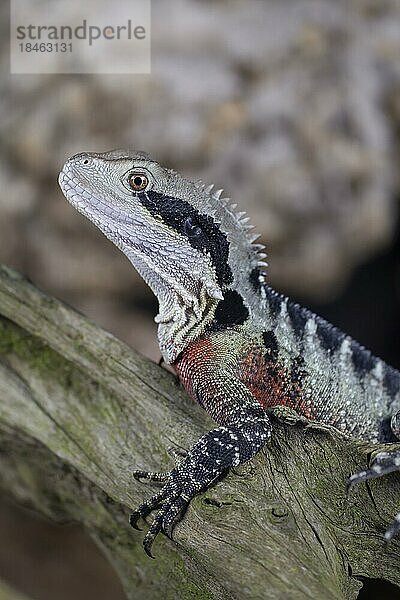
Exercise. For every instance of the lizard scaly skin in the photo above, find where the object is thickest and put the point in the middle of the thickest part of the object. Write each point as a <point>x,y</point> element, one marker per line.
<point>237,346</point>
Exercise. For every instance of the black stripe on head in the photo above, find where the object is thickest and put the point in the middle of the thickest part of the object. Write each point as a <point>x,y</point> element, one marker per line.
<point>208,238</point>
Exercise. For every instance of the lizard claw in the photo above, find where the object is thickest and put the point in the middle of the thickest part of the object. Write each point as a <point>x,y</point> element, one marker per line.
<point>172,507</point>
<point>133,519</point>
<point>156,527</point>
<point>147,544</point>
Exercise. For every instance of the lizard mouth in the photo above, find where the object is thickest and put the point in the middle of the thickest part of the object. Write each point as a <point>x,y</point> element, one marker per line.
<point>87,203</point>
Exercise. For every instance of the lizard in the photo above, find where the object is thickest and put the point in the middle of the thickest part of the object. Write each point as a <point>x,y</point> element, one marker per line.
<point>238,347</point>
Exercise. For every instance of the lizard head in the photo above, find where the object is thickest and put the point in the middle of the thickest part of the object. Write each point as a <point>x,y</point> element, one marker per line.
<point>186,242</point>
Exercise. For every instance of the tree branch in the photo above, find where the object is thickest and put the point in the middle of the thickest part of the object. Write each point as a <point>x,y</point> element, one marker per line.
<point>79,410</point>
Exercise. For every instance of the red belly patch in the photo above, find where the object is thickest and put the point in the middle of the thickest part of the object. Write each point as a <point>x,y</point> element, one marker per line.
<point>194,363</point>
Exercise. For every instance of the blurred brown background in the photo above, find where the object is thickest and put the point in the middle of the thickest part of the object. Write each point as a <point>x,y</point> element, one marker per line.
<point>293,107</point>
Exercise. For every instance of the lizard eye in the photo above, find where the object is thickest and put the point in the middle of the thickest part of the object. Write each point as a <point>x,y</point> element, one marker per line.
<point>191,228</point>
<point>138,181</point>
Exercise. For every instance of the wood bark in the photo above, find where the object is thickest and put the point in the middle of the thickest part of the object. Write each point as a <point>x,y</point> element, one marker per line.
<point>79,410</point>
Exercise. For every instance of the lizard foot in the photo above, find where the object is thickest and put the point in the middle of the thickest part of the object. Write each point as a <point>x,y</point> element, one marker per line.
<point>381,464</point>
<point>171,502</point>
<point>209,459</point>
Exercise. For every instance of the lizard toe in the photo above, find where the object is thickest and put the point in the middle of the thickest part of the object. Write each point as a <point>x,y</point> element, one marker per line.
<point>174,514</point>
<point>160,477</point>
<point>145,509</point>
<point>357,478</point>
<point>381,464</point>
<point>133,520</point>
<point>165,519</point>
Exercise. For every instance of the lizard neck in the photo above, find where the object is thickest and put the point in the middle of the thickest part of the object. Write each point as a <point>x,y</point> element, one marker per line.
<point>185,316</point>
<point>180,323</point>
<point>183,328</point>
<point>184,312</point>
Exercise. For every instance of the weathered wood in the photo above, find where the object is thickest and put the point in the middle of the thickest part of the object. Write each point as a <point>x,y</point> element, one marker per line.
<point>79,410</point>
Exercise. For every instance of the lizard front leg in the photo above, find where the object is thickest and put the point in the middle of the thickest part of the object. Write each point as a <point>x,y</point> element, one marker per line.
<point>243,431</point>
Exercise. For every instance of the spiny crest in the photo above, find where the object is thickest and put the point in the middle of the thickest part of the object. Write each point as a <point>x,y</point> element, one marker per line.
<point>240,217</point>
